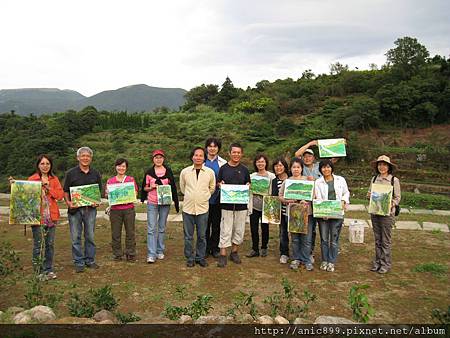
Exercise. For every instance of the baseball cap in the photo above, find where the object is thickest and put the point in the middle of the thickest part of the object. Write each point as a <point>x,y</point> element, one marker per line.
<point>158,152</point>
<point>309,151</point>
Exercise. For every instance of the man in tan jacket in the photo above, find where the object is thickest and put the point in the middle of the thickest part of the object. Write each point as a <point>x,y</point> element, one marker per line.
<point>197,183</point>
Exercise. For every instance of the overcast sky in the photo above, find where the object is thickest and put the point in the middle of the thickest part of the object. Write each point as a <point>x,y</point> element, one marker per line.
<point>96,45</point>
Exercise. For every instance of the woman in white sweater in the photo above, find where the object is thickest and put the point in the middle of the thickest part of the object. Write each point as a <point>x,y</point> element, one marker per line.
<point>330,187</point>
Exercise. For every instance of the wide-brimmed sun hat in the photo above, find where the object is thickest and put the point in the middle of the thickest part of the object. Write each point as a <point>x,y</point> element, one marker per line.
<point>383,158</point>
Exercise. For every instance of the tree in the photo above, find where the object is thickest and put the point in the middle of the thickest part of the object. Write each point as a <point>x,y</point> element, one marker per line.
<point>227,93</point>
<point>204,94</point>
<point>337,68</point>
<point>407,57</point>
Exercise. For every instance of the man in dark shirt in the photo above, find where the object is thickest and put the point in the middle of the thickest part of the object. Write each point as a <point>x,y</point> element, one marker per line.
<point>232,227</point>
<point>78,217</point>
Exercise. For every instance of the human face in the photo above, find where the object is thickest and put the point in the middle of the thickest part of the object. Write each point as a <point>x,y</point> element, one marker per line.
<point>236,154</point>
<point>296,169</point>
<point>121,168</point>
<point>212,149</point>
<point>279,168</point>
<point>261,164</point>
<point>383,168</point>
<point>326,171</point>
<point>44,166</point>
<point>308,159</point>
<point>84,159</point>
<point>198,158</point>
<point>158,160</point>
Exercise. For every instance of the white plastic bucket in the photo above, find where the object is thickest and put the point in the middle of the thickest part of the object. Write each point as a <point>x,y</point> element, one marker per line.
<point>356,232</point>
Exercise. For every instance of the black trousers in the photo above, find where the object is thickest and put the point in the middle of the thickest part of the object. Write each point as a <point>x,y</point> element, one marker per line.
<point>254,228</point>
<point>213,229</point>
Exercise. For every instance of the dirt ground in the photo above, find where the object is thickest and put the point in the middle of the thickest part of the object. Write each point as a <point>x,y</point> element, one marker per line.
<point>401,296</point>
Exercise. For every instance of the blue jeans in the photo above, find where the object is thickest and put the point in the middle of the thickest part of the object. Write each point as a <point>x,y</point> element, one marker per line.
<point>189,222</point>
<point>301,243</point>
<point>156,228</point>
<point>329,238</point>
<point>48,233</point>
<point>83,217</point>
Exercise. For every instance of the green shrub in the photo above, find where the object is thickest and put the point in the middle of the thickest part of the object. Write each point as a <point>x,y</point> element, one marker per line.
<point>199,307</point>
<point>9,261</point>
<point>243,303</point>
<point>441,316</point>
<point>92,302</point>
<point>103,298</point>
<point>129,317</point>
<point>359,303</point>
<point>80,306</point>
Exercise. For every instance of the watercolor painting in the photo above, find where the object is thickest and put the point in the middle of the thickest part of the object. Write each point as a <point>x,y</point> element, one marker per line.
<point>271,210</point>
<point>298,218</point>
<point>299,190</point>
<point>234,194</point>
<point>85,195</point>
<point>260,185</point>
<point>121,193</point>
<point>332,147</point>
<point>380,199</point>
<point>25,202</point>
<point>164,194</point>
<point>328,209</point>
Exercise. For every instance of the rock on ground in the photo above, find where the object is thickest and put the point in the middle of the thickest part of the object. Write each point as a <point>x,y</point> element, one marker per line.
<point>185,319</point>
<point>22,318</point>
<point>265,320</point>
<point>245,319</point>
<point>107,321</point>
<point>42,313</point>
<point>301,321</point>
<point>333,320</point>
<point>207,320</point>
<point>105,315</point>
<point>281,320</point>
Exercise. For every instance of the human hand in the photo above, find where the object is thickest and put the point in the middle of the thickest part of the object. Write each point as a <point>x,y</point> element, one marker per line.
<point>11,180</point>
<point>310,178</point>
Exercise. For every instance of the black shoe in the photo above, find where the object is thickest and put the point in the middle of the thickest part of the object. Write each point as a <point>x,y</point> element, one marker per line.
<point>234,256</point>
<point>252,253</point>
<point>216,254</point>
<point>93,266</point>
<point>263,252</point>
<point>79,268</point>
<point>131,258</point>
<point>375,269</point>
<point>190,264</point>
<point>222,261</point>
<point>203,263</point>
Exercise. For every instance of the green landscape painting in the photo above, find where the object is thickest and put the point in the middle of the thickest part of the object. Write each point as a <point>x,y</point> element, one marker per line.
<point>234,194</point>
<point>121,193</point>
<point>299,190</point>
<point>85,195</point>
<point>260,185</point>
<point>298,218</point>
<point>380,199</point>
<point>332,148</point>
<point>164,194</point>
<point>271,210</point>
<point>25,202</point>
<point>328,209</point>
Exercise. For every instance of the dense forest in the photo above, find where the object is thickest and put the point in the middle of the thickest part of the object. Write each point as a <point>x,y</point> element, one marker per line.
<point>411,91</point>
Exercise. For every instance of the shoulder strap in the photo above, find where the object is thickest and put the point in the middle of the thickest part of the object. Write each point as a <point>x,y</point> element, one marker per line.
<point>374,178</point>
<point>392,180</point>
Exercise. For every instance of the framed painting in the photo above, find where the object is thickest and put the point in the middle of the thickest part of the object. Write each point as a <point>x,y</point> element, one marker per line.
<point>234,193</point>
<point>260,185</point>
<point>332,147</point>
<point>271,210</point>
<point>85,195</point>
<point>380,199</point>
<point>25,202</point>
<point>299,190</point>
<point>121,193</point>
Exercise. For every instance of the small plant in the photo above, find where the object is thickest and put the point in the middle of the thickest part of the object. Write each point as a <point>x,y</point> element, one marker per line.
<point>9,261</point>
<point>243,303</point>
<point>288,304</point>
<point>181,291</point>
<point>103,298</point>
<point>441,316</point>
<point>199,307</point>
<point>129,317</point>
<point>435,268</point>
<point>359,303</point>
<point>80,306</point>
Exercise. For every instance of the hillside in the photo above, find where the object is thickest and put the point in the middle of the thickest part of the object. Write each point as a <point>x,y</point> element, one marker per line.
<point>135,98</point>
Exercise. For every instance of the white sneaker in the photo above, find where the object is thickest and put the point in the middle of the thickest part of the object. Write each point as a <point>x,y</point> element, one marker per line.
<point>323,266</point>
<point>160,256</point>
<point>294,265</point>
<point>151,259</point>
<point>284,259</point>
<point>51,275</point>
<point>42,277</point>
<point>330,267</point>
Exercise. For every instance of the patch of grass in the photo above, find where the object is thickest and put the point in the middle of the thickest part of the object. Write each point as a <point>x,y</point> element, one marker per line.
<point>435,268</point>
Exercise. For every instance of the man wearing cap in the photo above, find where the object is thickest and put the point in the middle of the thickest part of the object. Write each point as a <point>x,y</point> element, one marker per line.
<point>197,183</point>
<point>213,161</point>
<point>83,174</point>
<point>382,225</point>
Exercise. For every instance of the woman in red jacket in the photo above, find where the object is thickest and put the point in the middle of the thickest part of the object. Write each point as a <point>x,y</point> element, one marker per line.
<point>51,192</point>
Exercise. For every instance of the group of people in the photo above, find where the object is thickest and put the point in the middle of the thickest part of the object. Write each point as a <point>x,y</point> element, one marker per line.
<point>218,226</point>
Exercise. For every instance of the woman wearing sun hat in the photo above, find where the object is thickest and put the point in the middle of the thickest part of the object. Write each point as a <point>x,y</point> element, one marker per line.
<point>158,174</point>
<point>382,225</point>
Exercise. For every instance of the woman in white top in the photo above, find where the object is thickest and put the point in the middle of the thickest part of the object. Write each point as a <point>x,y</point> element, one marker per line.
<point>330,187</point>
